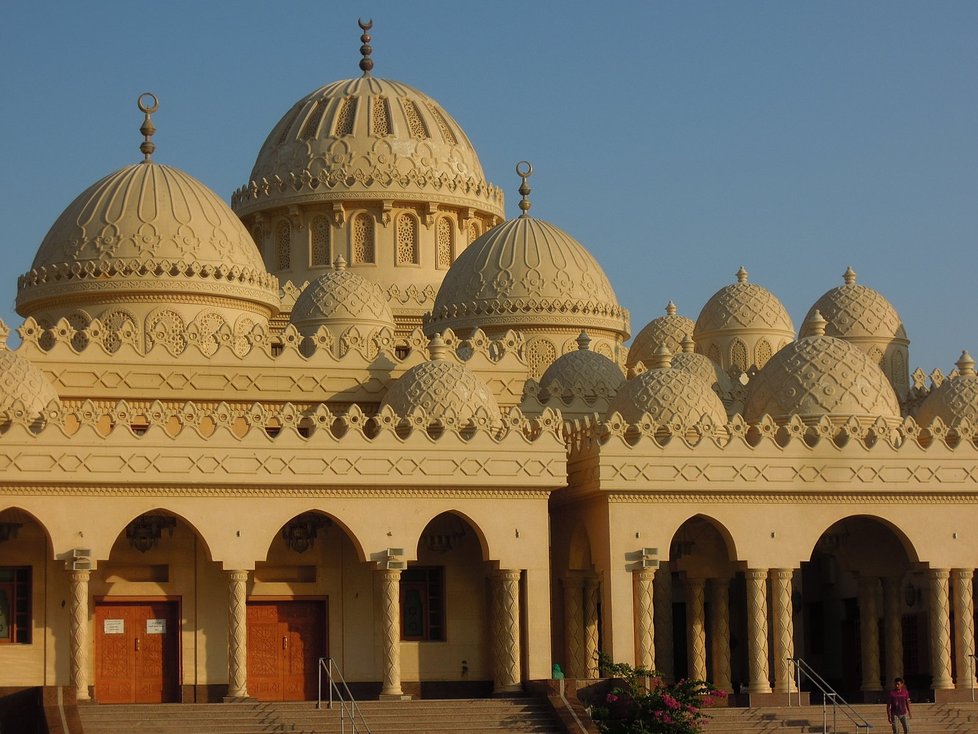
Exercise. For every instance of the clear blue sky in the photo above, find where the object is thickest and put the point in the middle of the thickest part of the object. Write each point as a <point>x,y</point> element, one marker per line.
<point>676,140</point>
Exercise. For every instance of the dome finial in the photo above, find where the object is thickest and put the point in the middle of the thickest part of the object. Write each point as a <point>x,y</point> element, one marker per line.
<point>689,346</point>
<point>366,63</point>
<point>524,170</point>
<point>741,275</point>
<point>965,364</point>
<point>670,309</point>
<point>849,277</point>
<point>147,146</point>
<point>814,325</point>
<point>437,348</point>
<point>339,264</point>
<point>583,341</point>
<point>661,358</point>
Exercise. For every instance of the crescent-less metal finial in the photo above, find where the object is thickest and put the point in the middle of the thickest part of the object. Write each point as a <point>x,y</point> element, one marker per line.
<point>366,63</point>
<point>147,146</point>
<point>524,170</point>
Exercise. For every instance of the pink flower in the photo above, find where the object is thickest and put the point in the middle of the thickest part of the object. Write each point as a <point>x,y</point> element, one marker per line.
<point>611,698</point>
<point>669,701</point>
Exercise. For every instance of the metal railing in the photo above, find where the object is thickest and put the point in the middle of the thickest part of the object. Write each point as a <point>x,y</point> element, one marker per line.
<point>338,693</point>
<point>829,695</point>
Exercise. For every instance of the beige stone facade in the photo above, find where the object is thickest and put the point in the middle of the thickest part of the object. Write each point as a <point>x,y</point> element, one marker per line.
<point>359,416</point>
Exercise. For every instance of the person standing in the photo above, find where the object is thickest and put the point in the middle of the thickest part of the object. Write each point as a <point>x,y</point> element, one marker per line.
<point>898,706</point>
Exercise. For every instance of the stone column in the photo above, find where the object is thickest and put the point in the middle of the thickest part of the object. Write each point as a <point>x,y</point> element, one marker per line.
<point>784,630</point>
<point>591,626</point>
<point>662,591</point>
<point>869,637</point>
<point>237,634</point>
<point>757,630</point>
<point>79,634</point>
<point>720,633</point>
<point>644,611</point>
<point>892,628</point>
<point>964,627</point>
<point>940,629</point>
<point>574,625</point>
<point>696,627</point>
<point>390,596</point>
<point>506,630</point>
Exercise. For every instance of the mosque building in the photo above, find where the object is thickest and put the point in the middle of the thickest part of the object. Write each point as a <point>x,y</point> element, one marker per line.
<point>360,414</point>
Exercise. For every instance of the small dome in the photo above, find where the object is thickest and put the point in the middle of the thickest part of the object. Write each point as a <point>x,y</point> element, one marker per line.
<point>527,273</point>
<point>670,396</point>
<point>955,400</point>
<point>854,310</point>
<point>665,331</point>
<point>817,376</point>
<point>340,299</point>
<point>742,306</point>
<point>702,367</point>
<point>582,372</point>
<point>367,137</point>
<point>448,392</point>
<point>22,380</point>
<point>147,232</point>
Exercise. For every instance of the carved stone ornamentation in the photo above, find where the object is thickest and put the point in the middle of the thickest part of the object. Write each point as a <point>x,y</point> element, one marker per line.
<point>506,630</point>
<point>757,651</point>
<point>644,611</point>
<point>940,628</point>
<point>964,627</point>
<point>784,631</point>
<point>78,632</point>
<point>237,634</point>
<point>391,622</point>
<point>696,627</point>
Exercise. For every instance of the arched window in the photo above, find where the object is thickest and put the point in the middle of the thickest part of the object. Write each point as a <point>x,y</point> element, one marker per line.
<point>445,243</point>
<point>473,232</point>
<point>319,254</point>
<point>363,239</point>
<point>407,240</point>
<point>762,353</point>
<point>738,355</point>
<point>283,246</point>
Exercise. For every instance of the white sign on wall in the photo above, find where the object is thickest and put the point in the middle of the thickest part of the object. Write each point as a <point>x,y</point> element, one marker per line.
<point>155,626</point>
<point>114,626</point>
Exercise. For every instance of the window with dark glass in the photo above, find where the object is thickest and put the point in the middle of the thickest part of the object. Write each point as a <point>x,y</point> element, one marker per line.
<point>15,604</point>
<point>423,604</point>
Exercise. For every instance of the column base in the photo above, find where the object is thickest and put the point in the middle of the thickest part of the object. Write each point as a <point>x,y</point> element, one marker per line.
<point>755,700</point>
<point>393,697</point>
<point>953,695</point>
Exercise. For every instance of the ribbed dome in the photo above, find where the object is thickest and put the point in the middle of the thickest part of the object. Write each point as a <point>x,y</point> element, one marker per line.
<point>742,306</point>
<point>340,299</point>
<point>671,397</point>
<point>448,392</point>
<point>367,137</point>
<point>21,380</point>
<point>854,310</point>
<point>147,230</point>
<point>817,376</point>
<point>665,331</point>
<point>955,400</point>
<point>526,273</point>
<point>582,372</point>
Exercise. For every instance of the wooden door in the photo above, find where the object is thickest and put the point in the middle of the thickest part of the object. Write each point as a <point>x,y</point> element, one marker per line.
<point>285,641</point>
<point>137,652</point>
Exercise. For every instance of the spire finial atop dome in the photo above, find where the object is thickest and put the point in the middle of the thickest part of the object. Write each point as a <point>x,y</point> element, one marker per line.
<point>965,364</point>
<point>670,309</point>
<point>147,146</point>
<point>741,275</point>
<point>661,358</point>
<point>849,277</point>
<point>339,264</point>
<point>689,346</point>
<point>814,325</point>
<point>583,341</point>
<point>437,348</point>
<point>366,63</point>
<point>524,170</point>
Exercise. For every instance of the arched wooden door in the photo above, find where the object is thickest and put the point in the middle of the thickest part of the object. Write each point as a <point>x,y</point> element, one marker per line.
<point>286,638</point>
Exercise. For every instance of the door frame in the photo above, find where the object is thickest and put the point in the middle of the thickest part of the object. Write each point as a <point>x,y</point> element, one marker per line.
<point>175,599</point>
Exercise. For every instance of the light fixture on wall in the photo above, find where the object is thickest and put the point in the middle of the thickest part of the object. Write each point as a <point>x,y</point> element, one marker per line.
<point>444,541</point>
<point>682,545</point>
<point>145,531</point>
<point>833,540</point>
<point>300,532</point>
<point>9,530</point>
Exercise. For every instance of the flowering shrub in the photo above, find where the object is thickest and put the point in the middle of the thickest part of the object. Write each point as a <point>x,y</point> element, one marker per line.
<point>641,702</point>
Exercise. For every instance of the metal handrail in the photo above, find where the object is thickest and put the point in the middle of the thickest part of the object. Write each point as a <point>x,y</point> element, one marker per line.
<point>828,693</point>
<point>349,710</point>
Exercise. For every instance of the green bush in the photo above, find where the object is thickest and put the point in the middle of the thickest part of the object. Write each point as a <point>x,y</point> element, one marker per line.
<point>641,702</point>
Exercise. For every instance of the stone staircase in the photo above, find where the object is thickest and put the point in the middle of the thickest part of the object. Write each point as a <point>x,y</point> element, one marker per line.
<point>928,718</point>
<point>468,716</point>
